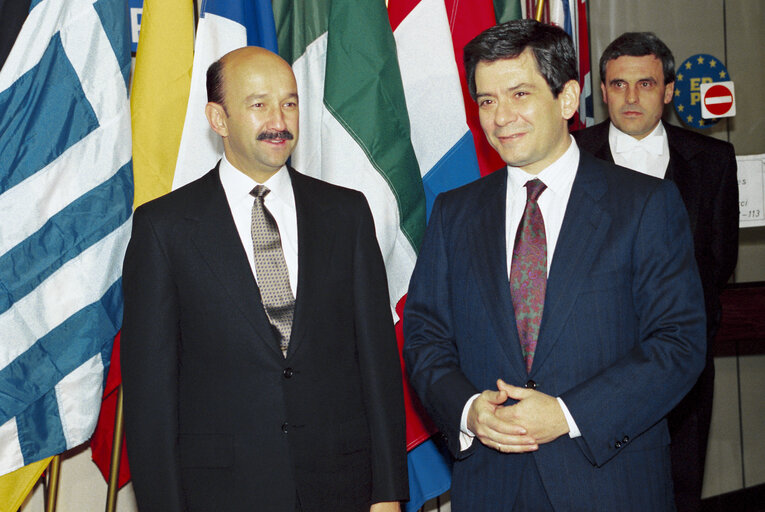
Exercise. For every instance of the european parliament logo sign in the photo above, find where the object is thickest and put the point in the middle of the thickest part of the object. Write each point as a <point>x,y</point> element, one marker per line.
<point>691,77</point>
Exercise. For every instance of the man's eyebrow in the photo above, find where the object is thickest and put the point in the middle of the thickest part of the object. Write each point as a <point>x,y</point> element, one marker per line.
<point>522,85</point>
<point>644,79</point>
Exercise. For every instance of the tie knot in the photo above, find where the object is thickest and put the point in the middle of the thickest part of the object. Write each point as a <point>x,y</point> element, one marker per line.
<point>260,191</point>
<point>534,189</point>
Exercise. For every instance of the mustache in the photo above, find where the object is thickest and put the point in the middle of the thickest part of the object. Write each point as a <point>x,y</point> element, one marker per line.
<point>284,134</point>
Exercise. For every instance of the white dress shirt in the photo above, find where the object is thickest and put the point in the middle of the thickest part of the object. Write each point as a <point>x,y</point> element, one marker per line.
<point>649,155</point>
<point>280,203</point>
<point>559,178</point>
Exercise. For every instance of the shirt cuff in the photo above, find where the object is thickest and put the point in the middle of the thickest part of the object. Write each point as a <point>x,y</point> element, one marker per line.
<point>573,430</point>
<point>466,436</point>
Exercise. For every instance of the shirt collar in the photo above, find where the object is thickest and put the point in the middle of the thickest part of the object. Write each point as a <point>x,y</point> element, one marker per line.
<point>558,176</point>
<point>238,185</point>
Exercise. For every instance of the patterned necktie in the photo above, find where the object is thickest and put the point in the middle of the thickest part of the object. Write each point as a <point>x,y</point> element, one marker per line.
<point>528,272</point>
<point>271,269</point>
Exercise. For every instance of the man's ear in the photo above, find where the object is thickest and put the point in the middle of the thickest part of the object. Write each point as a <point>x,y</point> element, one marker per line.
<point>216,116</point>
<point>669,92</point>
<point>569,99</point>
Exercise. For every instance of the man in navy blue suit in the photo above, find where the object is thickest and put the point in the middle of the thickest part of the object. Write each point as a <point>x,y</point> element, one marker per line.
<point>555,314</point>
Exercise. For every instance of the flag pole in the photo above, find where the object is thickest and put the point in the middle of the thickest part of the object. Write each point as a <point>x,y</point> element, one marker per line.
<point>53,477</point>
<point>114,465</point>
<point>540,8</point>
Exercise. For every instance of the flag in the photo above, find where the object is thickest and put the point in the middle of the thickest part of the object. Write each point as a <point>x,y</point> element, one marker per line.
<point>571,16</point>
<point>586,114</point>
<point>158,106</point>
<point>66,194</point>
<point>160,93</point>
<point>440,135</point>
<point>102,440</point>
<point>354,128</point>
<point>446,153</point>
<point>506,10</point>
<point>16,485</point>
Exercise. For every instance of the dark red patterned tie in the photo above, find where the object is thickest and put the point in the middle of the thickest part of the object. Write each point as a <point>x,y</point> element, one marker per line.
<point>528,272</point>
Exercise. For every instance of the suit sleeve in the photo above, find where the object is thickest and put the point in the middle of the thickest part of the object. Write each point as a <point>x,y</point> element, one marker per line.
<point>379,365</point>
<point>632,394</point>
<point>150,338</point>
<point>430,350</point>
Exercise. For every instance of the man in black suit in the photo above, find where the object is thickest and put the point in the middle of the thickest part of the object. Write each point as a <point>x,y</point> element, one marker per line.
<point>637,80</point>
<point>251,384</point>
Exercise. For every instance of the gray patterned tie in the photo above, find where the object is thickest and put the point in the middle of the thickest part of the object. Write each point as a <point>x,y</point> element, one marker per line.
<point>271,269</point>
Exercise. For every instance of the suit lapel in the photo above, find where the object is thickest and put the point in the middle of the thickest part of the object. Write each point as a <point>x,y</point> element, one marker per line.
<point>583,232</point>
<point>215,238</point>
<point>489,266</point>
<point>314,253</point>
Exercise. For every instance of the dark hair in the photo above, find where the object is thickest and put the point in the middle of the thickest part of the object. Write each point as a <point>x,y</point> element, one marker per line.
<point>639,44</point>
<point>551,46</point>
<point>215,84</point>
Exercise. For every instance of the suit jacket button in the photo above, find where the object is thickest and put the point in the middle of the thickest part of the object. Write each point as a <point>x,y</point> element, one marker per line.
<point>288,372</point>
<point>617,445</point>
<point>530,385</point>
<point>626,440</point>
<point>285,427</point>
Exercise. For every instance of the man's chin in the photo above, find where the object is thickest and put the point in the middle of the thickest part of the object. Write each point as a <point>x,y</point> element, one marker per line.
<point>634,127</point>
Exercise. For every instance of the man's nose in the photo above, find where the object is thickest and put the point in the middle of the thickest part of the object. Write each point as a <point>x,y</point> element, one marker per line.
<point>276,120</point>
<point>632,95</point>
<point>506,113</point>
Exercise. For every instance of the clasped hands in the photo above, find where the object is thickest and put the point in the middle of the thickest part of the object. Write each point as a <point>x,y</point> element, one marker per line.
<point>535,419</point>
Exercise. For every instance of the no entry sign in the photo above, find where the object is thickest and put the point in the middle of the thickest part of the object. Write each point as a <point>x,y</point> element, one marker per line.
<point>717,100</point>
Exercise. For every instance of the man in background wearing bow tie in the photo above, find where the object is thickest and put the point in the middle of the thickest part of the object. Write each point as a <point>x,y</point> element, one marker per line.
<point>637,75</point>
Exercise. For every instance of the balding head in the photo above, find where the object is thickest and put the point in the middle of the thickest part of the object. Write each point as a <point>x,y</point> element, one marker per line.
<point>215,80</point>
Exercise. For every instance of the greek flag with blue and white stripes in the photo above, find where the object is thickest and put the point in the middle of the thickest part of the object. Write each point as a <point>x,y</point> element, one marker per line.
<point>66,193</point>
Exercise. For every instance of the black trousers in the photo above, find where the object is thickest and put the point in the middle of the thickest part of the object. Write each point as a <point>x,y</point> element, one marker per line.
<point>689,431</point>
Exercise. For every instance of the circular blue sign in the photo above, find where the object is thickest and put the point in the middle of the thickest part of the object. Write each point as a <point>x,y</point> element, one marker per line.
<point>694,71</point>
